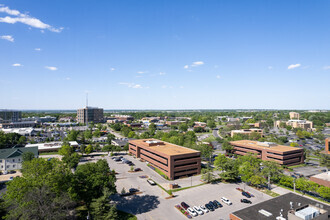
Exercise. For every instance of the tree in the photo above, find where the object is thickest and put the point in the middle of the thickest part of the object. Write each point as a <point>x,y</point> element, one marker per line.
<point>207,175</point>
<point>211,124</point>
<point>325,160</point>
<point>152,128</point>
<point>257,180</point>
<point>73,135</point>
<point>89,149</point>
<point>132,168</point>
<point>82,149</point>
<point>22,140</point>
<point>88,135</point>
<point>91,179</point>
<point>110,138</point>
<point>107,148</point>
<point>183,127</point>
<point>66,150</point>
<point>101,208</point>
<point>272,169</point>
<point>126,147</point>
<point>27,156</point>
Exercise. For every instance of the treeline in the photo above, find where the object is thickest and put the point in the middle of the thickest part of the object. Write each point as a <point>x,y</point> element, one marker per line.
<point>9,140</point>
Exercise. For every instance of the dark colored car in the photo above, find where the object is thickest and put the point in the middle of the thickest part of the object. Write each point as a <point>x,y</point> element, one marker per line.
<point>246,194</point>
<point>214,205</point>
<point>117,159</point>
<point>246,201</point>
<point>184,205</point>
<point>133,190</point>
<point>218,203</point>
<point>209,207</point>
<point>137,169</point>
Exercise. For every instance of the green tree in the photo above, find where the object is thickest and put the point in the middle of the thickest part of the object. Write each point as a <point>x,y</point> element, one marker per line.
<point>211,124</point>
<point>108,148</point>
<point>325,160</point>
<point>183,127</point>
<point>110,138</point>
<point>22,140</point>
<point>126,147</point>
<point>89,149</point>
<point>88,135</point>
<point>207,175</point>
<point>272,169</point>
<point>73,135</point>
<point>101,208</point>
<point>27,156</point>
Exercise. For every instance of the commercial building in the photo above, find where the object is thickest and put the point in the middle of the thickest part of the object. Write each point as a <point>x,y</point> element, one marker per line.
<point>321,179</point>
<point>50,146</point>
<point>289,206</point>
<point>90,114</point>
<point>173,160</point>
<point>11,158</point>
<point>281,154</point>
<point>327,147</point>
<point>304,124</point>
<point>294,115</point>
<point>247,131</point>
<point>174,122</point>
<point>8,116</point>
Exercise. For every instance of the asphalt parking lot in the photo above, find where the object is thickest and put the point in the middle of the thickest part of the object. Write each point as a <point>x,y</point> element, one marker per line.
<point>152,202</point>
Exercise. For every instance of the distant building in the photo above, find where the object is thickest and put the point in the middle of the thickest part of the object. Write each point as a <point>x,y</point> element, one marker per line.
<point>281,154</point>
<point>247,131</point>
<point>11,158</point>
<point>289,206</point>
<point>65,119</point>
<point>174,122</point>
<point>8,116</point>
<point>123,117</point>
<point>90,114</point>
<point>50,146</point>
<point>304,124</point>
<point>321,179</point>
<point>21,131</point>
<point>294,115</point>
<point>327,147</point>
<point>199,124</point>
<point>173,160</point>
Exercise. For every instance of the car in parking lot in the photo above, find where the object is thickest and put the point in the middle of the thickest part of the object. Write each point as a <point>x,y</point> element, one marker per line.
<point>209,207</point>
<point>246,201</point>
<point>192,211</point>
<point>246,194</point>
<point>205,210</point>
<point>218,203</point>
<point>137,169</point>
<point>151,182</point>
<point>213,205</point>
<point>133,190</point>
<point>227,201</point>
<point>198,210</point>
<point>185,205</point>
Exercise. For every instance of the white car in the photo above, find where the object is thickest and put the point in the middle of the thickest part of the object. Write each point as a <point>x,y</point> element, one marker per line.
<point>198,210</point>
<point>204,209</point>
<point>225,200</point>
<point>192,212</point>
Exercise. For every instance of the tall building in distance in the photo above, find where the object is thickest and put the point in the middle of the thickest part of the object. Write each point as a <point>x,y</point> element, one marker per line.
<point>294,115</point>
<point>8,116</point>
<point>90,114</point>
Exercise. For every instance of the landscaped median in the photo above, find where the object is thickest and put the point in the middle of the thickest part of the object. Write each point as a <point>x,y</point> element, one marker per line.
<point>184,212</point>
<point>158,171</point>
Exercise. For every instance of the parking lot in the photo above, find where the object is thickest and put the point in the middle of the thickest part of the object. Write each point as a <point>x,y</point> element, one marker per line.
<point>152,202</point>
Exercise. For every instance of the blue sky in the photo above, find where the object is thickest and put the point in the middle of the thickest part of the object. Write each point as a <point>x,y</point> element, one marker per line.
<point>164,54</point>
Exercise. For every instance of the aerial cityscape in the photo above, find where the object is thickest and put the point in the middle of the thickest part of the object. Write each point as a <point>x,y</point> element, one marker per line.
<point>165,110</point>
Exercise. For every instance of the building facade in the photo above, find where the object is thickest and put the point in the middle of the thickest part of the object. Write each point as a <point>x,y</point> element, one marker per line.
<point>304,124</point>
<point>90,114</point>
<point>281,154</point>
<point>247,131</point>
<point>294,115</point>
<point>11,158</point>
<point>8,116</point>
<point>173,160</point>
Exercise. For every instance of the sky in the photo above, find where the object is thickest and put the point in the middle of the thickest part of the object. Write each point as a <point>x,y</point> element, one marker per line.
<point>162,54</point>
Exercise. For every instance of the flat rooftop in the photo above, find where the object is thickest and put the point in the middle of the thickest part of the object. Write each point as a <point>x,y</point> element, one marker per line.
<point>324,176</point>
<point>275,205</point>
<point>163,147</point>
<point>264,145</point>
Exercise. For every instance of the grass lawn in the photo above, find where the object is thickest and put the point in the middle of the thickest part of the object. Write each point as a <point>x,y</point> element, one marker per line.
<point>159,172</point>
<point>296,166</point>
<point>49,153</point>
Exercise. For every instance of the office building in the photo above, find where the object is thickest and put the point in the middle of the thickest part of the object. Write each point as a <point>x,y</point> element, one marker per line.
<point>289,206</point>
<point>304,124</point>
<point>321,179</point>
<point>11,158</point>
<point>247,131</point>
<point>294,115</point>
<point>51,146</point>
<point>327,147</point>
<point>90,114</point>
<point>173,160</point>
<point>8,116</point>
<point>281,154</point>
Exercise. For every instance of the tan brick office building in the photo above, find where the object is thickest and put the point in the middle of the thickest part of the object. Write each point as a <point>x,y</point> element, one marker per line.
<point>90,114</point>
<point>281,154</point>
<point>173,160</point>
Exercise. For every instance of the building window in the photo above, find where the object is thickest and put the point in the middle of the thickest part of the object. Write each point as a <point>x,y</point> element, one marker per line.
<point>1,166</point>
<point>8,166</point>
<point>19,160</point>
<point>0,161</point>
<point>14,166</point>
<point>13,160</point>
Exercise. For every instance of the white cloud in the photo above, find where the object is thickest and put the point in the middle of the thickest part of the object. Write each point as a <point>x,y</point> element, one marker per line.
<point>17,64</point>
<point>67,78</point>
<point>37,49</point>
<point>270,67</point>
<point>186,67</point>
<point>25,19</point>
<point>292,66</point>
<point>197,63</point>
<point>326,67</point>
<point>7,37</point>
<point>52,68</point>
<point>218,76</point>
<point>112,69</point>
<point>181,87</point>
<point>162,73</point>
<point>141,72</point>
<point>164,86</point>
<point>132,85</point>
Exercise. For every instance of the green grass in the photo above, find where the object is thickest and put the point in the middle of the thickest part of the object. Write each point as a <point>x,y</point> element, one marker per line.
<point>49,153</point>
<point>297,191</point>
<point>271,193</point>
<point>179,189</point>
<point>159,172</point>
<point>296,166</point>
<point>125,216</point>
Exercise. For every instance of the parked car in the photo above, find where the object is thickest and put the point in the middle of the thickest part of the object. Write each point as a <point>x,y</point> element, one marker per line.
<point>185,205</point>
<point>246,194</point>
<point>246,201</point>
<point>209,207</point>
<point>227,201</point>
<point>12,171</point>
<point>117,159</point>
<point>198,210</point>
<point>137,169</point>
<point>218,203</point>
<point>133,190</point>
<point>192,212</point>
<point>151,182</point>
<point>205,210</point>
<point>213,205</point>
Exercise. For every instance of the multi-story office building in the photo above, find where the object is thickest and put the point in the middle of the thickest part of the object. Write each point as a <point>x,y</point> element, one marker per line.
<point>173,160</point>
<point>247,131</point>
<point>90,114</point>
<point>281,154</point>
<point>304,124</point>
<point>8,116</point>
<point>294,115</point>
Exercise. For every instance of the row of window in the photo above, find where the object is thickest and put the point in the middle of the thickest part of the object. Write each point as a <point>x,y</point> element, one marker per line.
<point>186,164</point>
<point>8,166</point>
<point>182,171</point>
<point>186,158</point>
<point>153,159</point>
<point>13,160</point>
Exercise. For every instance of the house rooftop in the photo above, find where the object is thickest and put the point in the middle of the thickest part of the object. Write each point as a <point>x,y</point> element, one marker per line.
<point>163,147</point>
<point>16,152</point>
<point>264,145</point>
